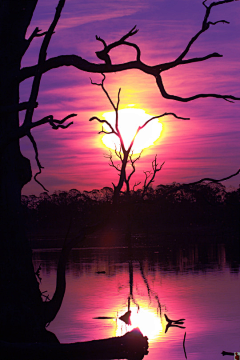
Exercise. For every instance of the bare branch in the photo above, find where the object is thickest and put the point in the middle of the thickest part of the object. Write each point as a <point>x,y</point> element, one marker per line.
<point>36,33</point>
<point>228,98</point>
<point>110,157</point>
<point>105,132</point>
<point>40,167</point>
<point>214,180</point>
<point>104,90</point>
<point>41,61</point>
<point>24,129</point>
<point>100,39</point>
<point>105,122</point>
<point>152,118</point>
<point>136,184</point>
<point>205,26</point>
<point>116,130</point>
<point>152,174</point>
<point>133,164</point>
<point>198,59</point>
<point>107,67</point>
<point>136,159</point>
<point>103,54</point>
<point>219,21</point>
<point>84,65</point>
<point>118,153</point>
<point>210,180</point>
<point>159,116</point>
<point>125,155</point>
<point>54,123</point>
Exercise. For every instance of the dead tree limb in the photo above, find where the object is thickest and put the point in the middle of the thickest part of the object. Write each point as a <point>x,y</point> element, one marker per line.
<point>214,180</point>
<point>111,163</point>
<point>151,175</point>
<point>104,54</point>
<point>36,33</point>
<point>155,70</point>
<point>125,154</point>
<point>25,129</point>
<point>41,60</point>
<point>132,345</point>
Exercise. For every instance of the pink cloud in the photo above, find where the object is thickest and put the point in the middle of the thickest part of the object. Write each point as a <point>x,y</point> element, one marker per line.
<point>207,145</point>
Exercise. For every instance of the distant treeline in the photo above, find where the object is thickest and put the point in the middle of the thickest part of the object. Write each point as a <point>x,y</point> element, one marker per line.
<point>173,209</point>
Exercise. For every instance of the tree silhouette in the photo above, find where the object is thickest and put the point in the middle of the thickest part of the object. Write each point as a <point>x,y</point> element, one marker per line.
<point>125,153</point>
<point>22,310</point>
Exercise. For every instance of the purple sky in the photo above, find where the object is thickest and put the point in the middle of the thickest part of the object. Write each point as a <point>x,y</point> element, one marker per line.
<point>206,146</point>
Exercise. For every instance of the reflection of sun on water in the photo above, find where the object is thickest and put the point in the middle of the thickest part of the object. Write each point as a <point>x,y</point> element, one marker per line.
<point>129,121</point>
<point>147,320</point>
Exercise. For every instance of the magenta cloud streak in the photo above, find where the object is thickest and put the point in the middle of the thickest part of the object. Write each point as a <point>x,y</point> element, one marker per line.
<point>206,146</point>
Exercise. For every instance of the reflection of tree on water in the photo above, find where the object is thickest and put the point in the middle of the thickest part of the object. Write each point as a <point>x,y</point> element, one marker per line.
<point>174,323</point>
<point>151,294</point>
<point>150,291</point>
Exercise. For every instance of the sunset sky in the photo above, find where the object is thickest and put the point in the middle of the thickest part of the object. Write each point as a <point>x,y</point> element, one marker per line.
<point>206,146</point>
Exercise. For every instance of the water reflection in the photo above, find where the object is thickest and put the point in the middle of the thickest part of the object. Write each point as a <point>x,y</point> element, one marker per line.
<point>146,319</point>
<point>197,285</point>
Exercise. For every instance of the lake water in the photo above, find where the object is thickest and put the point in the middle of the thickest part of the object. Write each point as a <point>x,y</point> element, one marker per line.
<point>204,289</point>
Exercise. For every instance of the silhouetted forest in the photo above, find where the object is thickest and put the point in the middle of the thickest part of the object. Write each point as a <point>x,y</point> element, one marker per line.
<point>172,212</point>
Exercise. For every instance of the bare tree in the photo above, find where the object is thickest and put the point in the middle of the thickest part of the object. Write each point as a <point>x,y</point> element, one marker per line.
<point>150,175</point>
<point>21,306</point>
<point>125,153</point>
<point>155,70</point>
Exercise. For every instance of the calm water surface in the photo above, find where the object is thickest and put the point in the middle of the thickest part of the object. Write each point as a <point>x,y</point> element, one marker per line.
<point>205,293</point>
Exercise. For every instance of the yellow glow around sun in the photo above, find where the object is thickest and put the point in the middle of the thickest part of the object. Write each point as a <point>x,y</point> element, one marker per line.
<point>129,120</point>
<point>147,320</point>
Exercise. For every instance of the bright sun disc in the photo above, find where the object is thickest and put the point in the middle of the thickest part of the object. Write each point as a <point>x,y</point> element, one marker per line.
<point>129,121</point>
<point>148,322</point>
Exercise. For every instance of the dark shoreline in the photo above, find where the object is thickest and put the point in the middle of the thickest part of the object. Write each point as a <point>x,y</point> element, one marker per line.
<point>167,237</point>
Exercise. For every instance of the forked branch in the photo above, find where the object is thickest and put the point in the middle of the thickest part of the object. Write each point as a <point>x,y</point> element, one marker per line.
<point>104,54</point>
<point>36,33</point>
<point>25,129</point>
<point>150,175</point>
<point>155,70</point>
<point>115,129</point>
<point>133,161</point>
<point>41,60</point>
<point>111,163</point>
<point>55,124</point>
<point>125,154</point>
<point>104,122</point>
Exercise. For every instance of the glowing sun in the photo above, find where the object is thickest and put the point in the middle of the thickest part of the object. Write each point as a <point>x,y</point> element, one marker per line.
<point>147,320</point>
<point>129,121</point>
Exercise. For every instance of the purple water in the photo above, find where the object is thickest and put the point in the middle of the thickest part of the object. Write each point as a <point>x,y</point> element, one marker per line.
<point>206,295</point>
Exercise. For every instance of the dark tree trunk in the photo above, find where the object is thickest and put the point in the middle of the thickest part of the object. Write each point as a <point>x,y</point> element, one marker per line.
<point>20,304</point>
<point>122,178</point>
